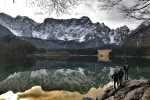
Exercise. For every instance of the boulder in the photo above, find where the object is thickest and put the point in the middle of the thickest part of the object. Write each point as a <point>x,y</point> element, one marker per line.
<point>130,90</point>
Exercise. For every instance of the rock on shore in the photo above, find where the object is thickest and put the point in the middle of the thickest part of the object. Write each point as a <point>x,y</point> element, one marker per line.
<point>130,90</point>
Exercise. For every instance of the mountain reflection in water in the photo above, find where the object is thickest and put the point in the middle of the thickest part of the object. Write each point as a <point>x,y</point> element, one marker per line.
<point>72,78</point>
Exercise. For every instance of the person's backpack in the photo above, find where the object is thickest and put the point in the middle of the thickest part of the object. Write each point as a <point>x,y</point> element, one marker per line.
<point>127,66</point>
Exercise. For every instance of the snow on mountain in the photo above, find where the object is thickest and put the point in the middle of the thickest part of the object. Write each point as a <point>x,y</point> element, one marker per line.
<point>79,30</point>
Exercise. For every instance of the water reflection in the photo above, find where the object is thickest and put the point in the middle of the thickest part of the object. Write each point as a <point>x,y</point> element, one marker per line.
<point>77,74</point>
<point>76,79</point>
<point>139,67</point>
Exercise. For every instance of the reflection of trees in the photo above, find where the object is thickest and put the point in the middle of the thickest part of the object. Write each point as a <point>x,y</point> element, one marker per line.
<point>9,66</point>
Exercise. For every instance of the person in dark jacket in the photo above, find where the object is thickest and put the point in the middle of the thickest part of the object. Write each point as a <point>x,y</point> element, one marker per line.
<point>120,76</point>
<point>126,68</point>
<point>115,77</point>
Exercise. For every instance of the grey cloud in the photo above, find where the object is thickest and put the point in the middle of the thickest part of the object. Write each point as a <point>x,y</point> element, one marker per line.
<point>112,19</point>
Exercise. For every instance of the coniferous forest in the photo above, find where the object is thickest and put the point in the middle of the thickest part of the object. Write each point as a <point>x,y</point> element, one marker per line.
<point>11,45</point>
<point>130,51</point>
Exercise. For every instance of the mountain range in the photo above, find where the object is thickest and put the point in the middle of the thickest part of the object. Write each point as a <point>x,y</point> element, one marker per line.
<point>73,33</point>
<point>64,33</point>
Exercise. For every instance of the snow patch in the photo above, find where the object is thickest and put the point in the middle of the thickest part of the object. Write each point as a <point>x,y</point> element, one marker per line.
<point>112,36</point>
<point>39,35</point>
<point>15,32</point>
<point>81,39</point>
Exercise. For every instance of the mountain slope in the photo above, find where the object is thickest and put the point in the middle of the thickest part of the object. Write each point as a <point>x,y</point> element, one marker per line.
<point>139,37</point>
<point>4,31</point>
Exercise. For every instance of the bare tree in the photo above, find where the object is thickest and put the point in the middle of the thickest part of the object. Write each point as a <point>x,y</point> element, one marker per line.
<point>57,7</point>
<point>137,9</point>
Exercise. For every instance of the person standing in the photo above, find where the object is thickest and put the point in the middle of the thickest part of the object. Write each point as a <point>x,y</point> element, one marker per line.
<point>120,75</point>
<point>126,68</point>
<point>115,77</point>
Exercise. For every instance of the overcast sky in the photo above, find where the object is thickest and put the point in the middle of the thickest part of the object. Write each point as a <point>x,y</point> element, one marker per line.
<point>87,8</point>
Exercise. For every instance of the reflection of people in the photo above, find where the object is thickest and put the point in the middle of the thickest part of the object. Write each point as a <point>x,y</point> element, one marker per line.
<point>120,75</point>
<point>115,77</point>
<point>126,68</point>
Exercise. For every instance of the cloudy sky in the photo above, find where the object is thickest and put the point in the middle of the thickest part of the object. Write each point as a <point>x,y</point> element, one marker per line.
<point>89,8</point>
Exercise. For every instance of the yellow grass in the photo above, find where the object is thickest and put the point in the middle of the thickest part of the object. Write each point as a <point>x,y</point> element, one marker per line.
<point>103,55</point>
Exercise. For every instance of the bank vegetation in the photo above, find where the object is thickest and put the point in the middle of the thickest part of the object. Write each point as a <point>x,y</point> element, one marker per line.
<point>142,51</point>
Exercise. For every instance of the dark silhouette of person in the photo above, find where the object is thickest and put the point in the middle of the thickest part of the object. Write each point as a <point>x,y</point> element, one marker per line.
<point>120,76</point>
<point>115,77</point>
<point>126,68</point>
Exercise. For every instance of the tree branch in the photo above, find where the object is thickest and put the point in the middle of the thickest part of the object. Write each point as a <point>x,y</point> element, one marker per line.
<point>139,10</point>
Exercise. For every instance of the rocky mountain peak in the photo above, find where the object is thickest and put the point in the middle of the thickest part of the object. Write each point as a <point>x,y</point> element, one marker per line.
<point>3,15</point>
<point>85,19</point>
<point>124,29</point>
<point>102,24</point>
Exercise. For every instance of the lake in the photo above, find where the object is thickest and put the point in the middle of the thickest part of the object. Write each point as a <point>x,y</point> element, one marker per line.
<point>64,78</point>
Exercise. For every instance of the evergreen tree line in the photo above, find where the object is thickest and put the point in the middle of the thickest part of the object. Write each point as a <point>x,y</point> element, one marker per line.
<point>14,46</point>
<point>88,51</point>
<point>83,51</point>
<point>130,51</point>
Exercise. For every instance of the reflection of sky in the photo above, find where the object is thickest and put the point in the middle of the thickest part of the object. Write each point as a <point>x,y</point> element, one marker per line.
<point>38,94</point>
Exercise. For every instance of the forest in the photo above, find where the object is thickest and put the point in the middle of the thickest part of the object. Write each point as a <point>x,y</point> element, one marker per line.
<point>87,51</point>
<point>14,46</point>
<point>130,51</point>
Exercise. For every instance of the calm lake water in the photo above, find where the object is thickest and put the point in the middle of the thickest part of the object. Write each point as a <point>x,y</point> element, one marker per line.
<point>77,75</point>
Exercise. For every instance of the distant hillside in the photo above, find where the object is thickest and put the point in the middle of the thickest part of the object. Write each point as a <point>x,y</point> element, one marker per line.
<point>4,31</point>
<point>139,37</point>
<point>13,46</point>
